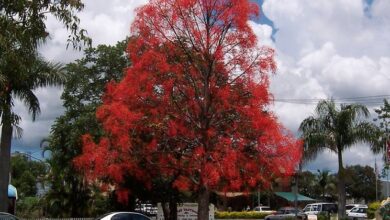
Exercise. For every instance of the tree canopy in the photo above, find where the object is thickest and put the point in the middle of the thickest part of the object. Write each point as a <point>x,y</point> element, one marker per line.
<point>194,104</point>
<point>69,196</point>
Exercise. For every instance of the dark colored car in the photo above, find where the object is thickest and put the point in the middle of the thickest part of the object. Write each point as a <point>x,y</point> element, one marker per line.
<point>123,216</point>
<point>287,213</point>
<point>7,216</point>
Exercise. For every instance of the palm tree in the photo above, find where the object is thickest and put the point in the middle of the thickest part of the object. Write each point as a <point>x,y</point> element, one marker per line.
<point>323,179</point>
<point>20,83</point>
<point>337,129</point>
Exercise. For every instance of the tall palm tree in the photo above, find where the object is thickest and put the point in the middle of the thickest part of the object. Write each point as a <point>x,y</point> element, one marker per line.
<point>337,129</point>
<point>21,83</point>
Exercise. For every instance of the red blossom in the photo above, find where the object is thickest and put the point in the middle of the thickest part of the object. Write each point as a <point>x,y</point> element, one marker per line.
<point>194,103</point>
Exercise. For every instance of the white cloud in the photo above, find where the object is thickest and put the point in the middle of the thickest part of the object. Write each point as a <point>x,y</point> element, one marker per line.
<point>328,49</point>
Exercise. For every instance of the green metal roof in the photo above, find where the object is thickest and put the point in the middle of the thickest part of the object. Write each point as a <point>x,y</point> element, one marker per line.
<point>290,196</point>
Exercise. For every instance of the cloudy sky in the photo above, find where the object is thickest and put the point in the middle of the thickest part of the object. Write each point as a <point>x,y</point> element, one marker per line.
<point>338,49</point>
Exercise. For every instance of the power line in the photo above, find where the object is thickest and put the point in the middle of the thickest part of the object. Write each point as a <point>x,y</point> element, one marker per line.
<point>366,100</point>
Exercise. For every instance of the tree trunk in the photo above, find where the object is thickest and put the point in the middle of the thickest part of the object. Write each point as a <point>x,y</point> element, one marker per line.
<point>203,203</point>
<point>5,158</point>
<point>341,186</point>
<point>172,209</point>
<point>165,208</point>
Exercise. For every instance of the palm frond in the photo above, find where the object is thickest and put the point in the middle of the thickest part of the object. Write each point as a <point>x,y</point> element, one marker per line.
<point>47,74</point>
<point>30,100</point>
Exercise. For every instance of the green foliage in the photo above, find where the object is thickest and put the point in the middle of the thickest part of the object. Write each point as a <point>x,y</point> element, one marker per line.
<point>360,182</point>
<point>70,195</point>
<point>384,211</point>
<point>372,208</point>
<point>29,207</point>
<point>336,129</point>
<point>26,174</point>
<point>240,215</point>
<point>383,118</point>
<point>22,70</point>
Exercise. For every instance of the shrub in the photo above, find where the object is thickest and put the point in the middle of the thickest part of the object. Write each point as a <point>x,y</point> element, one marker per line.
<point>241,215</point>
<point>372,207</point>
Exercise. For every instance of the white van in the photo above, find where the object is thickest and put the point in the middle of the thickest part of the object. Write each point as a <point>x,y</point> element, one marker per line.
<point>315,208</point>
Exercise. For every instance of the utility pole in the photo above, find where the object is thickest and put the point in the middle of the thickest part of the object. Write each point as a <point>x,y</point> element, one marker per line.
<point>376,181</point>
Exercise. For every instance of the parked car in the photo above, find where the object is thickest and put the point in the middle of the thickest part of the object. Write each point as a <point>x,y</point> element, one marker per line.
<point>123,216</point>
<point>262,209</point>
<point>349,207</point>
<point>315,208</point>
<point>7,216</point>
<point>287,213</point>
<point>358,213</point>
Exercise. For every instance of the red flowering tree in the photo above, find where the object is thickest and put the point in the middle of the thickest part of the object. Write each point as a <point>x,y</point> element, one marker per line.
<point>193,106</point>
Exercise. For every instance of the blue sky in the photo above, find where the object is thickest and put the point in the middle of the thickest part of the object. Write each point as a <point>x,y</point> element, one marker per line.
<point>323,48</point>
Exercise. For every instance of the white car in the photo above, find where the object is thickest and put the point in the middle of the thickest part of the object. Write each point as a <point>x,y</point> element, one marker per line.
<point>262,209</point>
<point>123,216</point>
<point>358,213</point>
<point>349,207</point>
<point>315,208</point>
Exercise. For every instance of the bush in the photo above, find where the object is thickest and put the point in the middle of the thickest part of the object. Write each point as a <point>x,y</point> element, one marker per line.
<point>372,207</point>
<point>29,207</point>
<point>384,211</point>
<point>241,215</point>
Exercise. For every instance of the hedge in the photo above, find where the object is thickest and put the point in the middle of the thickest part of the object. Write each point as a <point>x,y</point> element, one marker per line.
<point>241,215</point>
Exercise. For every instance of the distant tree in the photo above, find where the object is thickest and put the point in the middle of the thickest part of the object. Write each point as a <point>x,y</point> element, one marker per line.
<point>23,29</point>
<point>337,129</point>
<point>360,182</point>
<point>194,105</point>
<point>307,184</point>
<point>383,118</point>
<point>323,180</point>
<point>69,195</point>
<point>26,174</point>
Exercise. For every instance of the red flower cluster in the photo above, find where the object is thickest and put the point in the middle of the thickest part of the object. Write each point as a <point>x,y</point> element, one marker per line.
<point>193,105</point>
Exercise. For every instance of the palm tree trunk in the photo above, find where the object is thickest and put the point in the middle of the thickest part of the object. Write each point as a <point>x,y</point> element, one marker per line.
<point>341,185</point>
<point>5,158</point>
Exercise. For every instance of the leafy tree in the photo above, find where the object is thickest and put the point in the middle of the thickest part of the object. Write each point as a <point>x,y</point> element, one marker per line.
<point>360,182</point>
<point>337,129</point>
<point>22,25</point>
<point>27,174</point>
<point>383,117</point>
<point>307,184</point>
<point>193,105</point>
<point>69,195</point>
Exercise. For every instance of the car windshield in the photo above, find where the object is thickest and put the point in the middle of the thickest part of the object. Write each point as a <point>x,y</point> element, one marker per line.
<point>349,207</point>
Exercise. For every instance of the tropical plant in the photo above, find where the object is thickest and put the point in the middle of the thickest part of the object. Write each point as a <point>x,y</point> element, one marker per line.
<point>22,85</point>
<point>193,107</point>
<point>323,180</point>
<point>337,129</point>
<point>23,29</point>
